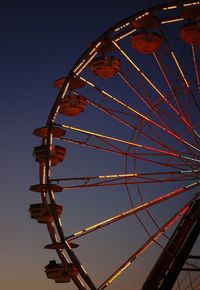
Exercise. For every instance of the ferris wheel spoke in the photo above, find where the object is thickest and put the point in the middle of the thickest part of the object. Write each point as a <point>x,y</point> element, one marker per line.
<point>160,94</point>
<point>130,175</point>
<point>173,56</point>
<point>155,223</point>
<point>137,113</point>
<point>190,158</point>
<point>142,116</point>
<point>146,245</point>
<point>166,153</point>
<point>194,49</point>
<point>188,123</point>
<point>187,161</point>
<point>180,115</point>
<point>126,179</point>
<point>90,133</point>
<point>169,84</point>
<point>149,82</point>
<point>94,146</point>
<point>184,78</point>
<point>136,129</point>
<point>115,183</point>
<point>172,147</point>
<point>132,211</point>
<point>187,85</point>
<point>125,154</point>
<point>110,144</point>
<point>152,107</point>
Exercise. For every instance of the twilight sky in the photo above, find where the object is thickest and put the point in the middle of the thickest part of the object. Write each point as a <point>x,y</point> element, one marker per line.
<point>40,42</point>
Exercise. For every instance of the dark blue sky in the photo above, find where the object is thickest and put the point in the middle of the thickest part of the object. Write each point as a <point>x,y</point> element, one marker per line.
<point>40,42</point>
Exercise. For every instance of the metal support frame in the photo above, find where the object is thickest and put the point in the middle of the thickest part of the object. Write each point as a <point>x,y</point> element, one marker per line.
<point>171,261</point>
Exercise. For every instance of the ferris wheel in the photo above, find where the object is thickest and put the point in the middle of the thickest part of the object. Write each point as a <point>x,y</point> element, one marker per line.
<point>119,157</point>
